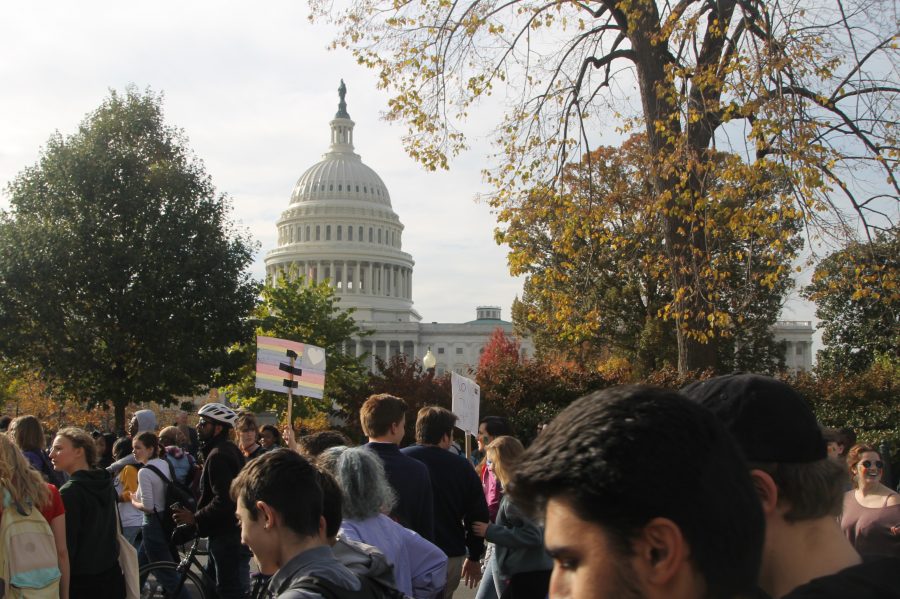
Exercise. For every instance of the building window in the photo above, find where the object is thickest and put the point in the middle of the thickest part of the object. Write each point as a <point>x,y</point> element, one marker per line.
<point>440,350</point>
<point>327,232</point>
<point>379,235</point>
<point>318,232</point>
<point>331,187</point>
<point>360,234</point>
<point>799,349</point>
<point>307,232</point>
<point>349,233</point>
<point>459,351</point>
<point>370,234</point>
<point>357,189</point>
<point>340,187</point>
<point>339,231</point>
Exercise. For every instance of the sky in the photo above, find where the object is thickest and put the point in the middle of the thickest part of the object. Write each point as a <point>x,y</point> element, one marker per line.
<point>253,86</point>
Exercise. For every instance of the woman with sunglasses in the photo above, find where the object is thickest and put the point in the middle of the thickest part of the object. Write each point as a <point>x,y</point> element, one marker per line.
<point>871,516</point>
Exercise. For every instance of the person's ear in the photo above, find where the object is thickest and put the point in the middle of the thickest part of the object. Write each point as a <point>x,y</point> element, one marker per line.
<point>268,515</point>
<point>766,490</point>
<point>660,552</point>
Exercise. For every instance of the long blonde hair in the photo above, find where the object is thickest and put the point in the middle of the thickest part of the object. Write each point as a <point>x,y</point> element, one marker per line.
<point>24,483</point>
<point>504,453</point>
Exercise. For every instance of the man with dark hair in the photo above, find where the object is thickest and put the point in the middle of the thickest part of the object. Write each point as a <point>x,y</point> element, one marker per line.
<point>315,443</point>
<point>799,488</point>
<point>286,530</point>
<point>4,423</point>
<point>644,496</point>
<point>229,563</point>
<point>458,498</point>
<point>383,419</point>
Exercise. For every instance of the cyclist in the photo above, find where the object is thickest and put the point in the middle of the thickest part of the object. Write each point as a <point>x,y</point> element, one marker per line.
<point>229,563</point>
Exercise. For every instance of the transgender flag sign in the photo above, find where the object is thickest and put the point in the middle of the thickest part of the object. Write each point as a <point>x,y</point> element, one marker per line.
<point>290,367</point>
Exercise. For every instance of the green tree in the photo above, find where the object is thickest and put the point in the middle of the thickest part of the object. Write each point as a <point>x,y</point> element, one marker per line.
<point>806,91</point>
<point>292,309</point>
<point>122,277</point>
<point>595,260</point>
<point>857,294</point>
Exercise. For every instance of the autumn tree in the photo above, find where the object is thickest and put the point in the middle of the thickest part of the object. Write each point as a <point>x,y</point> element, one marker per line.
<point>857,294</point>
<point>291,307</point>
<point>122,275</point>
<point>597,285</point>
<point>800,92</point>
<point>404,377</point>
<point>529,391</point>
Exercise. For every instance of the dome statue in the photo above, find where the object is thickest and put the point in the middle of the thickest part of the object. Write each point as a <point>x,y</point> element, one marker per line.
<point>339,226</point>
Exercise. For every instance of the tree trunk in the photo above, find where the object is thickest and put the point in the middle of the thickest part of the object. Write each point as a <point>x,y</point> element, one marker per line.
<point>119,404</point>
<point>684,240</point>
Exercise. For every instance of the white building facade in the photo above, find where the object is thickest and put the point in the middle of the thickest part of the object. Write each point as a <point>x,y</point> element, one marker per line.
<point>340,227</point>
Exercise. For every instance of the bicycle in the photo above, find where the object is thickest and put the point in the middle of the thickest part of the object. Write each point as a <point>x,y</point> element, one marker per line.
<point>188,583</point>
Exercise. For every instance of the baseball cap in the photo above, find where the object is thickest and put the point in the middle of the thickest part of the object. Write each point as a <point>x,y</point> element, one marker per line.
<point>769,420</point>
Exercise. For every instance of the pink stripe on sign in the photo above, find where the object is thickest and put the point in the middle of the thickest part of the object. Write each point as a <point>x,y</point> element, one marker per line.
<point>272,370</point>
<point>275,343</point>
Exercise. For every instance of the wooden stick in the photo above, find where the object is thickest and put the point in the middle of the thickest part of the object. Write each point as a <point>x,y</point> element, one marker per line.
<point>290,406</point>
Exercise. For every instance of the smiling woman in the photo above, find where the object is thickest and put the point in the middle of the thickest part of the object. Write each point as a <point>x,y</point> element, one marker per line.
<point>871,515</point>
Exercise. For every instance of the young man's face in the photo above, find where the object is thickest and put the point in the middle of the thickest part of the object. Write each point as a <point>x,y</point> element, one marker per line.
<point>262,541</point>
<point>586,565</point>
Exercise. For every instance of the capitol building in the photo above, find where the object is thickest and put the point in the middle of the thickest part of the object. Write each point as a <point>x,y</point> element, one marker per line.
<point>340,226</point>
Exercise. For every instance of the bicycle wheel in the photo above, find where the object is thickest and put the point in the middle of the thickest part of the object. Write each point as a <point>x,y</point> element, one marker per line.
<point>162,579</point>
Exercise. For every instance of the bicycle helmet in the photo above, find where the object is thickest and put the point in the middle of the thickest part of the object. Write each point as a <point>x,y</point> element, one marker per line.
<point>219,413</point>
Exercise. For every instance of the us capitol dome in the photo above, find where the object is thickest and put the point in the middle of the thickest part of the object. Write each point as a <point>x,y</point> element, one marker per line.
<point>339,226</point>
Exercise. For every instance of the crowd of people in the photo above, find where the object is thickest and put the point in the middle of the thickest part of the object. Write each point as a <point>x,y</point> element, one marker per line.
<point>727,488</point>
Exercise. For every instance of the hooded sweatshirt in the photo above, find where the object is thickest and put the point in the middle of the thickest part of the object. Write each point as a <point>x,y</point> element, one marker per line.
<point>146,421</point>
<point>90,501</point>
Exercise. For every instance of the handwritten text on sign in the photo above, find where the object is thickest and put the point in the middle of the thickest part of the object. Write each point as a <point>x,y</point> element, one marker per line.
<point>466,402</point>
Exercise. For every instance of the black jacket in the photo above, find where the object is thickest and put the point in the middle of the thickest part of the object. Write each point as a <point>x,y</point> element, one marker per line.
<point>458,500</point>
<point>412,483</point>
<point>215,509</point>
<point>91,531</point>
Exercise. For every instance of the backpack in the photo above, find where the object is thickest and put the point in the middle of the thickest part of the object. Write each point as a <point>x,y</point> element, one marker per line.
<point>176,492</point>
<point>29,568</point>
<point>370,589</point>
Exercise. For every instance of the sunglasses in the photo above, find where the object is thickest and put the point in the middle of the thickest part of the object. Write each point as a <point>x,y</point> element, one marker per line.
<point>867,464</point>
<point>203,423</point>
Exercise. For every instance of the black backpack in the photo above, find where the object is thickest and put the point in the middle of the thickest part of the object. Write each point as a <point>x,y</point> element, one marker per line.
<point>176,492</point>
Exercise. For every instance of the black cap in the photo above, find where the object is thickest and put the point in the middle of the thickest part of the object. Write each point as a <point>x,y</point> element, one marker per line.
<point>770,420</point>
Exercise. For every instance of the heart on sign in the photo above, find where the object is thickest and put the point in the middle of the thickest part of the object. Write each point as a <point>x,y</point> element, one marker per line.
<point>316,355</point>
